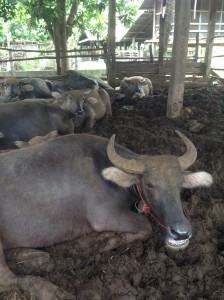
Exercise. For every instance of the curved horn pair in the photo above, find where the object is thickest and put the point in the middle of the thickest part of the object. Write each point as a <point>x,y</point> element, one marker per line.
<point>137,167</point>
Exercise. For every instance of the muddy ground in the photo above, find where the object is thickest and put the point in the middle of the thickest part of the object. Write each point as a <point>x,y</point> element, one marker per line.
<point>148,270</point>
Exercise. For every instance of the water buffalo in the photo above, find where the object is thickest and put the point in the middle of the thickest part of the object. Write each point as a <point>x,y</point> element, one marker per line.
<point>10,90</point>
<point>23,120</point>
<point>15,89</point>
<point>81,183</point>
<point>88,106</point>
<point>72,80</point>
<point>136,87</point>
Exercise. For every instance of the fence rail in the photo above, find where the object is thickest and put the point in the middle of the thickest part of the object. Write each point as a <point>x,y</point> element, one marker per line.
<point>14,55</point>
<point>128,63</point>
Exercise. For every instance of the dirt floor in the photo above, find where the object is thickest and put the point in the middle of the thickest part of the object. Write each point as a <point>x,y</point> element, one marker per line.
<point>148,270</point>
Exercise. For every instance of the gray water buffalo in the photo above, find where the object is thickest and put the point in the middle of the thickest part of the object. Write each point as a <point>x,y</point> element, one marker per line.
<point>81,183</point>
<point>23,120</point>
<point>71,80</point>
<point>15,89</point>
<point>87,106</point>
<point>136,87</point>
<point>10,90</point>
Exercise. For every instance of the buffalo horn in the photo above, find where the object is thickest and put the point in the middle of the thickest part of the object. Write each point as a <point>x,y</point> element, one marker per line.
<point>190,155</point>
<point>128,165</point>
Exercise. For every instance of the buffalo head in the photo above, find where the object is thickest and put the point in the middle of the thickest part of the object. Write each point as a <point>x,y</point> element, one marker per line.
<point>11,90</point>
<point>136,87</point>
<point>160,179</point>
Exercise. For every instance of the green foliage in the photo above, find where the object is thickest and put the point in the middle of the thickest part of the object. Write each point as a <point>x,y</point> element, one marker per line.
<point>126,11</point>
<point>7,9</point>
<point>35,19</point>
<point>21,27</point>
<point>24,32</point>
<point>89,15</point>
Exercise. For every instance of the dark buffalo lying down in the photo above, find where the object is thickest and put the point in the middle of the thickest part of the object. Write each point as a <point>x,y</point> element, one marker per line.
<point>20,121</point>
<point>15,89</point>
<point>80,183</point>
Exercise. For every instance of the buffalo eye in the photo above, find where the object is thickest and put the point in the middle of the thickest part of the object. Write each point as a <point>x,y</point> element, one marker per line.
<point>149,186</point>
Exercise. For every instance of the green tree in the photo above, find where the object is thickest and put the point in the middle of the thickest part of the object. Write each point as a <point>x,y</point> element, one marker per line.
<point>61,16</point>
<point>16,21</point>
<point>8,9</point>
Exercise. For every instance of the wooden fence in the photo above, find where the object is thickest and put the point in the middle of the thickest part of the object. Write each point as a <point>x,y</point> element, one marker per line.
<point>124,66</point>
<point>20,55</point>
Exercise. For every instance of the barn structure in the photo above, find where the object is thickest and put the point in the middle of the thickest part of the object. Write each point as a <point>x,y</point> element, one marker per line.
<point>146,48</point>
<point>171,43</point>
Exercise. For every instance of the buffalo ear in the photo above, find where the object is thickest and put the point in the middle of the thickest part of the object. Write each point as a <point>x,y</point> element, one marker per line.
<point>143,81</point>
<point>197,179</point>
<point>119,177</point>
<point>57,95</point>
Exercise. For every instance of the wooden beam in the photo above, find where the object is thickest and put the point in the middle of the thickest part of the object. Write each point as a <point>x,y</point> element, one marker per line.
<point>210,36</point>
<point>179,56</point>
<point>111,42</point>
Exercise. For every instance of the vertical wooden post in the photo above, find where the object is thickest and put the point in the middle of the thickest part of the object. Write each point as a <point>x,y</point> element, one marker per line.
<point>161,44</point>
<point>9,64</point>
<point>111,43</point>
<point>179,57</point>
<point>210,36</point>
<point>154,23</point>
<point>57,49</point>
<point>150,54</point>
<point>196,47</point>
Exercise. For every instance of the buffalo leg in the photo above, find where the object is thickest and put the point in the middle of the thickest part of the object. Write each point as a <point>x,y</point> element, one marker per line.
<point>126,227</point>
<point>7,278</point>
<point>106,100</point>
<point>29,261</point>
<point>90,117</point>
<point>37,287</point>
<point>116,240</point>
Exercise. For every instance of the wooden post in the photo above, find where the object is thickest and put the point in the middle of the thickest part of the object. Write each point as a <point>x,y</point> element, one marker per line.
<point>179,57</point>
<point>150,54</point>
<point>9,64</point>
<point>57,49</point>
<point>210,36</point>
<point>196,47</point>
<point>111,43</point>
<point>161,45</point>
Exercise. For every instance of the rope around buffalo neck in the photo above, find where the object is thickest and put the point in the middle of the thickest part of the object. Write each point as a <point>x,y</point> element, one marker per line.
<point>146,208</point>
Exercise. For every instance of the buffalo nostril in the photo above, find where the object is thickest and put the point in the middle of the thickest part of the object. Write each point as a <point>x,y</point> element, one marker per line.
<point>181,231</point>
<point>80,113</point>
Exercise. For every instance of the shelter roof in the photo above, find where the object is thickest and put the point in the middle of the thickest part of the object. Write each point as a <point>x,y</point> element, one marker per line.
<point>142,29</point>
